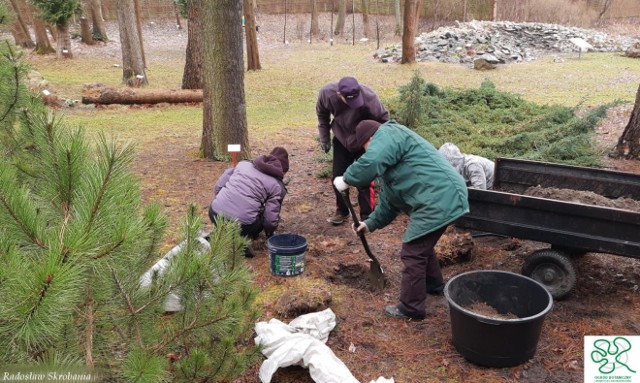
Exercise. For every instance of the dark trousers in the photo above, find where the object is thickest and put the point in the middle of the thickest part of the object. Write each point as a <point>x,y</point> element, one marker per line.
<point>251,230</point>
<point>421,268</point>
<point>342,158</point>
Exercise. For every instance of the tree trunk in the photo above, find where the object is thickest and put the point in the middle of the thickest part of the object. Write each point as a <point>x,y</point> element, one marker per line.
<point>85,31</point>
<point>366,26</point>
<point>629,142</point>
<point>43,45</point>
<point>102,95</point>
<point>177,12</point>
<point>251,37</point>
<point>99,27</point>
<point>133,72</point>
<point>20,29</point>
<point>342,15</point>
<point>20,37</point>
<point>494,10</point>
<point>192,75</point>
<point>53,32</point>
<point>136,9</point>
<point>409,32</point>
<point>315,25</point>
<point>224,106</point>
<point>64,41</point>
<point>398,13</point>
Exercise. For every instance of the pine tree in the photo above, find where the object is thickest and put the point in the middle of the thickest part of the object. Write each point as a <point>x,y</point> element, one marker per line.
<point>75,240</point>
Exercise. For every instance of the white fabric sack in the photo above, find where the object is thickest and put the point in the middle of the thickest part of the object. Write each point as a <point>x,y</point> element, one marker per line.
<point>302,343</point>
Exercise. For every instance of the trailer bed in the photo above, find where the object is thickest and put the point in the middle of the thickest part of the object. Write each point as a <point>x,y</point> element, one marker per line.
<point>570,228</point>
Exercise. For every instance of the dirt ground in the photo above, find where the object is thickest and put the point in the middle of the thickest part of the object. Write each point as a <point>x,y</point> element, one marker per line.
<point>605,302</point>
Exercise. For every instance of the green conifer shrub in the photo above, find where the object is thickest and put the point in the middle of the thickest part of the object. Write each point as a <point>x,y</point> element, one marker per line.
<point>75,239</point>
<point>491,123</point>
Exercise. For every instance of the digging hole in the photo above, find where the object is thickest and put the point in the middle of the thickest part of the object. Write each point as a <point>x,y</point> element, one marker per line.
<point>356,276</point>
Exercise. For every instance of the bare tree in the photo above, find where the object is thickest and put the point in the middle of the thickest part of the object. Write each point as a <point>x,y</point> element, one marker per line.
<point>85,28</point>
<point>251,37</point>
<point>136,8</point>
<point>20,29</point>
<point>629,142</point>
<point>315,25</point>
<point>409,32</point>
<point>43,44</point>
<point>99,29</point>
<point>192,74</point>
<point>605,7</point>
<point>366,26</point>
<point>494,10</point>
<point>133,69</point>
<point>342,15</point>
<point>85,31</point>
<point>224,106</point>
<point>398,13</point>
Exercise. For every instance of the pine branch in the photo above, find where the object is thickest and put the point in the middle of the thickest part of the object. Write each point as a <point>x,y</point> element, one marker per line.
<point>23,227</point>
<point>192,326</point>
<point>11,57</point>
<point>41,295</point>
<point>111,250</point>
<point>128,303</point>
<point>103,189</point>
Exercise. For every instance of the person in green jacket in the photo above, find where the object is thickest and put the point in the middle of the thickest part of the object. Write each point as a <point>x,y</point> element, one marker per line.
<point>414,179</point>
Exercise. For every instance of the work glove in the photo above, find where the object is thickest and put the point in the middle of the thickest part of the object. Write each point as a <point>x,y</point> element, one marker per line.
<point>362,228</point>
<point>340,185</point>
<point>325,146</point>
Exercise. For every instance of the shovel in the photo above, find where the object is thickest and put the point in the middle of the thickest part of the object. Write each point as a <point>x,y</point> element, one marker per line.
<point>376,275</point>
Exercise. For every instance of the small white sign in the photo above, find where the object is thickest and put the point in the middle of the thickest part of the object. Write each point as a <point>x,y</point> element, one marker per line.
<point>46,92</point>
<point>581,44</point>
<point>612,359</point>
<point>233,148</point>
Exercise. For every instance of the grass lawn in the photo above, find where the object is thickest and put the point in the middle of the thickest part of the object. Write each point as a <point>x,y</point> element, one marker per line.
<point>283,93</point>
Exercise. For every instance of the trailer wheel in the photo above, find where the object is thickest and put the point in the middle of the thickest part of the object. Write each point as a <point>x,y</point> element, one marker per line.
<point>553,269</point>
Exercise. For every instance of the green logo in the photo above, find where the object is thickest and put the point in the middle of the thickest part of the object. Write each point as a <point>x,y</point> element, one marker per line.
<point>611,355</point>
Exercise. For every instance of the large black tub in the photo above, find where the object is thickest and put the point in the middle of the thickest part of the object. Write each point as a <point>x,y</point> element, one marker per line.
<point>491,339</point>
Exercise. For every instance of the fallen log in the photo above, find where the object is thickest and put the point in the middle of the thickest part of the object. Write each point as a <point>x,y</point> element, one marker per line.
<point>102,95</point>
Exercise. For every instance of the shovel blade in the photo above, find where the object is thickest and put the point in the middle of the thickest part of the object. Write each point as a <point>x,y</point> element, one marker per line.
<point>376,276</point>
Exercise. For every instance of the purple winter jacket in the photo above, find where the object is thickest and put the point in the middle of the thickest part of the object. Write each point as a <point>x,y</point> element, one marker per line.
<point>249,189</point>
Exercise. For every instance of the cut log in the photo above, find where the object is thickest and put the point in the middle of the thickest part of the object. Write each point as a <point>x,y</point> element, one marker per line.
<point>103,95</point>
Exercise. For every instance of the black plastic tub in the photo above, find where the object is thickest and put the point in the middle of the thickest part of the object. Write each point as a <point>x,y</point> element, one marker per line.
<point>490,340</point>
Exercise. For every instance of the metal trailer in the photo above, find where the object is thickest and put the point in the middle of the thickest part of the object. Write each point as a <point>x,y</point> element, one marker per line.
<point>571,229</point>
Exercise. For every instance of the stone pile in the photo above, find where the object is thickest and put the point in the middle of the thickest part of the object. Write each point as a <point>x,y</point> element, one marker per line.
<point>503,42</point>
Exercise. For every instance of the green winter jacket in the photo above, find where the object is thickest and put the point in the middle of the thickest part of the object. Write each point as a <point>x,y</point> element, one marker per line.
<point>414,179</point>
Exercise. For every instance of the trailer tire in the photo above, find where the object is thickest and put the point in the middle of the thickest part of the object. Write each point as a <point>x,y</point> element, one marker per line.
<point>553,269</point>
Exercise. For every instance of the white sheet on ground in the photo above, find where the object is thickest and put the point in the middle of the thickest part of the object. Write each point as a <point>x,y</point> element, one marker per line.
<point>302,343</point>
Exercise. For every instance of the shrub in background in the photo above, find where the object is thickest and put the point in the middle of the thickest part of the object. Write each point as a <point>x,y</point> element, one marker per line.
<point>492,124</point>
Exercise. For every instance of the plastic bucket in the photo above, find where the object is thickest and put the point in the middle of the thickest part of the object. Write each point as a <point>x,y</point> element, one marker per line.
<point>286,253</point>
<point>489,340</point>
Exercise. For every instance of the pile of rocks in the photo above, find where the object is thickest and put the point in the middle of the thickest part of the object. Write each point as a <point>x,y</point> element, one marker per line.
<point>503,42</point>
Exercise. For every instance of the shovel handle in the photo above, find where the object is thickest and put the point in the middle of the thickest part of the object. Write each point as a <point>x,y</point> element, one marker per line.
<point>356,222</point>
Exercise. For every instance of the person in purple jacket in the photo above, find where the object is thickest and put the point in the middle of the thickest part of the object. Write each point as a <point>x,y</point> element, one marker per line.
<point>252,193</point>
<point>348,103</point>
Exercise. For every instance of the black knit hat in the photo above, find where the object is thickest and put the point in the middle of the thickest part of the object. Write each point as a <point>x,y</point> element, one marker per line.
<point>364,130</point>
<point>281,154</point>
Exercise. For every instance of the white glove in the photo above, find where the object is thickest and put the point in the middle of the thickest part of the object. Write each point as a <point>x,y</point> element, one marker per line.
<point>339,183</point>
<point>362,228</point>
